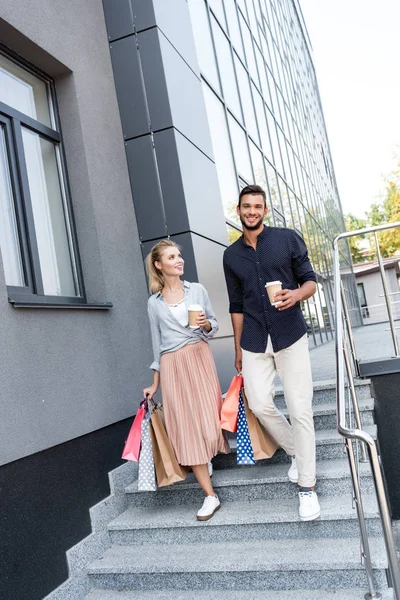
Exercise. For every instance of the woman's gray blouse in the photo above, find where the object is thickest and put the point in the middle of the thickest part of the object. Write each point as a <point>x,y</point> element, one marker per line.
<point>167,334</point>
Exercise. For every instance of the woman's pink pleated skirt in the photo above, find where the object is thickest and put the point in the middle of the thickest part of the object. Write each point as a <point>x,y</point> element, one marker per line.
<point>192,402</point>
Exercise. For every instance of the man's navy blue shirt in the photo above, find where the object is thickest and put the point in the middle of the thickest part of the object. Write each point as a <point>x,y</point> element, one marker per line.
<point>281,255</point>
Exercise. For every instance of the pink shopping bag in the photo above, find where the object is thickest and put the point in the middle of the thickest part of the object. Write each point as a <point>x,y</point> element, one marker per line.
<point>133,442</point>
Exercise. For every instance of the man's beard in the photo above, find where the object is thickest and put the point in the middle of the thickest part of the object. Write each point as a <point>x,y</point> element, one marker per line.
<point>251,227</point>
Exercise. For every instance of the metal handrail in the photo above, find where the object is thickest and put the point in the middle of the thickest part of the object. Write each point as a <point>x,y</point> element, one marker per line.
<point>359,434</point>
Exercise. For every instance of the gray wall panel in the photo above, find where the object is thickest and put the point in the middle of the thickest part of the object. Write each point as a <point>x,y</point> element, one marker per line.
<point>177,28</point>
<point>118,16</point>
<point>143,14</point>
<point>171,181</point>
<point>208,257</point>
<point>131,98</point>
<point>223,350</point>
<point>201,189</point>
<point>185,98</point>
<point>145,188</point>
<point>154,78</point>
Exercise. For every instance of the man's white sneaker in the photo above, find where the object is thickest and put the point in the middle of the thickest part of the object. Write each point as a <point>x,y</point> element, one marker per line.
<point>210,506</point>
<point>309,506</point>
<point>293,473</point>
<point>210,468</point>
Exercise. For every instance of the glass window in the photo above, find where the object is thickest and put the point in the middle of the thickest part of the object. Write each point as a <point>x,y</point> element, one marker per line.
<point>48,214</point>
<point>274,141</point>
<point>262,124</point>
<point>233,233</point>
<point>224,57</point>
<point>248,46</point>
<point>234,30</point>
<point>203,42</point>
<point>23,91</point>
<point>240,150</point>
<point>222,152</point>
<point>37,241</point>
<point>247,102</point>
<point>217,7</point>
<point>252,17</point>
<point>10,246</point>
<point>258,166</point>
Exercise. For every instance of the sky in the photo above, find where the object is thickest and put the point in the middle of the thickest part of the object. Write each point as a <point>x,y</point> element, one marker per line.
<point>356,52</point>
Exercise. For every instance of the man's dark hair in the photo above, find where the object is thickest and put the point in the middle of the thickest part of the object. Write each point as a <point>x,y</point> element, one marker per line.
<point>256,190</point>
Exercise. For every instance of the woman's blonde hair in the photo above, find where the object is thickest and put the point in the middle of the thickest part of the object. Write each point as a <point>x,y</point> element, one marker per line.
<point>156,279</point>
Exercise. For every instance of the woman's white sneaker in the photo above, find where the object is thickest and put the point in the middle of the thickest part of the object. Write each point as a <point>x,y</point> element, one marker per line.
<point>210,468</point>
<point>293,473</point>
<point>210,506</point>
<point>309,506</point>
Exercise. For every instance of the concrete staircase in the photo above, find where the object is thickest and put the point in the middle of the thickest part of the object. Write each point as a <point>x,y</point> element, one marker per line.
<point>255,547</point>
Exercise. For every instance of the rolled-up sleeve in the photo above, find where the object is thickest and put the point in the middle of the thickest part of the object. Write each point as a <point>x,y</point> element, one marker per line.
<point>155,336</point>
<point>234,287</point>
<point>208,309</point>
<point>301,263</point>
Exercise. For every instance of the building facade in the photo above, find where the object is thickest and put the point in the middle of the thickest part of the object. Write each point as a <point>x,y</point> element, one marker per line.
<point>123,122</point>
<point>371,293</point>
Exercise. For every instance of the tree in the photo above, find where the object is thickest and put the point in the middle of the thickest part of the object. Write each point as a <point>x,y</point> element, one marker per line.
<point>352,224</point>
<point>385,211</point>
<point>389,241</point>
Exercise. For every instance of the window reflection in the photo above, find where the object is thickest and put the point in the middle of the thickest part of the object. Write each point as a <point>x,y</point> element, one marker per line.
<point>203,42</point>
<point>222,152</point>
<point>227,73</point>
<point>240,150</point>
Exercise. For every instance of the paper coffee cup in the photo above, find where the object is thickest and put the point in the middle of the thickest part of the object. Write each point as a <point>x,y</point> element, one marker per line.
<point>272,288</point>
<point>194,310</point>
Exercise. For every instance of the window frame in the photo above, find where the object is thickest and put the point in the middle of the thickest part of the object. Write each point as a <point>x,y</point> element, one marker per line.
<point>12,121</point>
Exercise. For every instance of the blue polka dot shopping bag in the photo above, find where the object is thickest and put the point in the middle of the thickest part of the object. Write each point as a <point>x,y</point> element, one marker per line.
<point>245,455</point>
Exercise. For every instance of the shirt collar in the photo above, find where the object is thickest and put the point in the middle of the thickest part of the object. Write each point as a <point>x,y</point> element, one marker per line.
<point>260,236</point>
<point>186,286</point>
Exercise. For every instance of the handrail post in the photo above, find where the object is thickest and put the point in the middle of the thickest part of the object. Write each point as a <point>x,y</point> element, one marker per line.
<point>354,400</point>
<point>366,553</point>
<point>387,298</point>
<point>385,518</point>
<point>349,330</point>
<point>349,434</point>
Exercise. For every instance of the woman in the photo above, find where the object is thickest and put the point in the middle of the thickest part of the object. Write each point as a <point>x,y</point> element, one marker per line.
<point>184,366</point>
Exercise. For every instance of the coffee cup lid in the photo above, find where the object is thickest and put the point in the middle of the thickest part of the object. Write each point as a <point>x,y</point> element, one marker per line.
<point>273,283</point>
<point>195,307</point>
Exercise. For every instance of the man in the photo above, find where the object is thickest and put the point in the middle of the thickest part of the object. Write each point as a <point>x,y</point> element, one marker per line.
<point>273,339</point>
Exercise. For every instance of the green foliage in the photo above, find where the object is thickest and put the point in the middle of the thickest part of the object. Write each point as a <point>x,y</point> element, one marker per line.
<point>385,211</point>
<point>352,224</point>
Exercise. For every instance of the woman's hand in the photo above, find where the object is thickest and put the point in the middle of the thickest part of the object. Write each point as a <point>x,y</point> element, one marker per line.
<point>203,322</point>
<point>149,392</point>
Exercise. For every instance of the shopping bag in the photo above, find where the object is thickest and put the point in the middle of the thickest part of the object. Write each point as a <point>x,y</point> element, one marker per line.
<point>146,478</point>
<point>244,451</point>
<point>168,471</point>
<point>132,444</point>
<point>229,412</point>
<point>264,446</point>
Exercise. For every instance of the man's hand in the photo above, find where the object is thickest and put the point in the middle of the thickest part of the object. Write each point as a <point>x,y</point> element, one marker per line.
<point>238,361</point>
<point>288,298</point>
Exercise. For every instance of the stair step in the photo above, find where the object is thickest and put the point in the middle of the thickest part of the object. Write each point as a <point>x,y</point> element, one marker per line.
<point>280,564</point>
<point>325,391</point>
<point>249,483</point>
<point>335,594</point>
<point>258,520</point>
<point>329,443</point>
